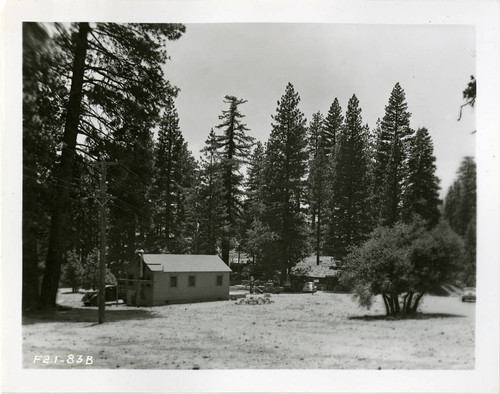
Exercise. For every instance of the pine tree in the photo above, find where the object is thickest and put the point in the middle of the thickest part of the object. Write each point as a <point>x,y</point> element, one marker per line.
<point>391,157</point>
<point>255,234</point>
<point>174,175</point>
<point>460,201</point>
<point>284,175</point>
<point>460,212</point>
<point>42,121</point>
<point>421,190</point>
<point>208,200</point>
<point>351,183</point>
<point>317,180</point>
<point>234,147</point>
<point>254,184</point>
<point>333,125</point>
<point>115,75</point>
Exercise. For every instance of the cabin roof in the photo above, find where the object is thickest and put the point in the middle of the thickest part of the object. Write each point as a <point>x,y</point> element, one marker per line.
<point>185,263</point>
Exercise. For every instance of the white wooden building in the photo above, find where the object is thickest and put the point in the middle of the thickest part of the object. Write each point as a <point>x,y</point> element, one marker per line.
<point>159,279</point>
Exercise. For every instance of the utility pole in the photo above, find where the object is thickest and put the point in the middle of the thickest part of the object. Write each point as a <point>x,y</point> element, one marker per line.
<point>103,199</point>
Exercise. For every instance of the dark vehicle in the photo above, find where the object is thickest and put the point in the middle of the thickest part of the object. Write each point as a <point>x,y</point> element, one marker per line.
<point>469,294</point>
<point>270,287</point>
<point>91,297</point>
<point>266,287</point>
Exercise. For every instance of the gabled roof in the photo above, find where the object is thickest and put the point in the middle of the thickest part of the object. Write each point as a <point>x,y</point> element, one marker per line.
<point>185,263</point>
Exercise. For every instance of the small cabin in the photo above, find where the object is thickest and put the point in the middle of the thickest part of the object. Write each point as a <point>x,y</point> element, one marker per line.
<point>159,279</point>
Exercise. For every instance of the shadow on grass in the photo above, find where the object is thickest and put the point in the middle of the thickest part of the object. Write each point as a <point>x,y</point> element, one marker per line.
<point>85,315</point>
<point>73,292</point>
<point>413,316</point>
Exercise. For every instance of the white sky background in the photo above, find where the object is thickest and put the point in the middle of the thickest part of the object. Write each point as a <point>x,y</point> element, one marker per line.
<point>255,61</point>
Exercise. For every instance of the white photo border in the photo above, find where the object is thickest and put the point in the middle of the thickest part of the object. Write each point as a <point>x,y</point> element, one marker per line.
<point>484,15</point>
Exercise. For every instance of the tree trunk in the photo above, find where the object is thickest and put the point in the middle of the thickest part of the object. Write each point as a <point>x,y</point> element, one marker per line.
<point>386,303</point>
<point>417,300</point>
<point>225,247</point>
<point>397,309</point>
<point>408,302</point>
<point>318,233</point>
<point>405,297</point>
<point>30,269</point>
<point>59,217</point>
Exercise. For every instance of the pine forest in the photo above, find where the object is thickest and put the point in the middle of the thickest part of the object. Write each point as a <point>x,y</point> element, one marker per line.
<point>98,104</point>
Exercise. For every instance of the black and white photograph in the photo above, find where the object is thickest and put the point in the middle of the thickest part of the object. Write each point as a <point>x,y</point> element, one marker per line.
<point>277,197</point>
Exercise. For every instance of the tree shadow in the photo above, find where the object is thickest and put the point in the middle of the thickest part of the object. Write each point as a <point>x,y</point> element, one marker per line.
<point>413,316</point>
<point>84,315</point>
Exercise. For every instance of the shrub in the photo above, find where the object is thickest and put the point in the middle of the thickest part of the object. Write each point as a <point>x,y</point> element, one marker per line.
<point>402,263</point>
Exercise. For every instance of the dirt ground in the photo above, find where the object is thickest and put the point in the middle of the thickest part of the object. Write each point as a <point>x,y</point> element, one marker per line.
<point>296,331</point>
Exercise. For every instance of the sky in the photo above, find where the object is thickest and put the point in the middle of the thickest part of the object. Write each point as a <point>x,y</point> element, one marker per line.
<point>255,61</point>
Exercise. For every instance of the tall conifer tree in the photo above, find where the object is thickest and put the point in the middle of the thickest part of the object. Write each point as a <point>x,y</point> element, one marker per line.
<point>460,201</point>
<point>351,182</point>
<point>317,180</point>
<point>460,212</point>
<point>391,157</point>
<point>421,190</point>
<point>257,233</point>
<point>208,206</point>
<point>174,175</point>
<point>234,147</point>
<point>333,125</point>
<point>286,166</point>
<point>116,69</point>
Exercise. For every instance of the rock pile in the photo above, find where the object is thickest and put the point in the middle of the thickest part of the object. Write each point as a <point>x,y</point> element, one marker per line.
<point>266,299</point>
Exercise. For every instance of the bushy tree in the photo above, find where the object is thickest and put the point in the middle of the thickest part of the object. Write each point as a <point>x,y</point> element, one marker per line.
<point>72,271</point>
<point>402,263</point>
<point>90,276</point>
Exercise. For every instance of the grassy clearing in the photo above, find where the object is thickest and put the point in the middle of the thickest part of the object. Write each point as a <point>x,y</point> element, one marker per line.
<point>297,331</point>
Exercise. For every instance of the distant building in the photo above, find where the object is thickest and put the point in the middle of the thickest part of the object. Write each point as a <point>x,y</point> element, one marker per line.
<point>159,279</point>
<point>324,275</point>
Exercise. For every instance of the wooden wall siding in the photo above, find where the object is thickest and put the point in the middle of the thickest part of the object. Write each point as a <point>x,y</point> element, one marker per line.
<point>205,288</point>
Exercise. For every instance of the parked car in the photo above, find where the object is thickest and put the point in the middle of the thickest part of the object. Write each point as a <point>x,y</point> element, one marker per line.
<point>270,287</point>
<point>91,297</point>
<point>309,287</point>
<point>469,294</point>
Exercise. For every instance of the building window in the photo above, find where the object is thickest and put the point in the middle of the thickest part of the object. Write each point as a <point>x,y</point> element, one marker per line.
<point>192,281</point>
<point>219,280</point>
<point>173,281</point>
